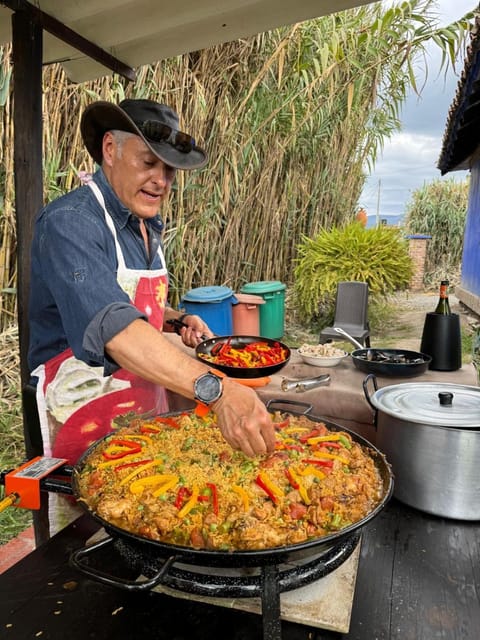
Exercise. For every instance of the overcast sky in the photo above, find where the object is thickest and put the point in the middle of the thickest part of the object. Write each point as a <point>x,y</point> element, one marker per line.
<point>409,159</point>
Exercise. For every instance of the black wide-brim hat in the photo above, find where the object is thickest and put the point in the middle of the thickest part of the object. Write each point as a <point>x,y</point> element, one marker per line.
<point>131,116</point>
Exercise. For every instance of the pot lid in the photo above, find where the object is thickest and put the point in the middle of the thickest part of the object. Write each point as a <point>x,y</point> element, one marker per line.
<point>208,294</point>
<point>438,404</point>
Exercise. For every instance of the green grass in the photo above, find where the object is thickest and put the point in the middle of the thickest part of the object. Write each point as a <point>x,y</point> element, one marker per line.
<point>13,520</point>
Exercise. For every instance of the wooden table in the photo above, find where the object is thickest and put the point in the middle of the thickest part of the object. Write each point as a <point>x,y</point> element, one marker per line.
<point>418,579</point>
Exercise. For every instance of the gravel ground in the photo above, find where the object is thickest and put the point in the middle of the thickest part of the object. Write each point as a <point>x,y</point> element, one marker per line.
<point>413,307</point>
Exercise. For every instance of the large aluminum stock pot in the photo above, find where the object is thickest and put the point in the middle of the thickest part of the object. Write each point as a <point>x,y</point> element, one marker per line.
<point>430,434</point>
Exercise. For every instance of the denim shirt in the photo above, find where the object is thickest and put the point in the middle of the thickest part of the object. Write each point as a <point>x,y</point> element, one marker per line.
<point>75,299</point>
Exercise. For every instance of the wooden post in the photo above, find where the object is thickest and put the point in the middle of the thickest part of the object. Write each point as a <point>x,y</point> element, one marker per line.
<point>27,119</point>
<point>27,37</point>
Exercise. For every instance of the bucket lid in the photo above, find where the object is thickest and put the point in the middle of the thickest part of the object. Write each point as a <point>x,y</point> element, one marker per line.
<point>439,404</point>
<point>208,294</point>
<point>249,299</point>
<point>263,286</point>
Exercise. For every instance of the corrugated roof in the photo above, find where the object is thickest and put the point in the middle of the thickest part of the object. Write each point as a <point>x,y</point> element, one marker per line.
<point>461,137</point>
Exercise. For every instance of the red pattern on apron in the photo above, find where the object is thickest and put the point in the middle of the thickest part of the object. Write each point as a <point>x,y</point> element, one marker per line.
<point>71,423</point>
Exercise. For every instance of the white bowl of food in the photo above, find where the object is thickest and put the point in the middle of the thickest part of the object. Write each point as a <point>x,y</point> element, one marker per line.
<point>321,355</point>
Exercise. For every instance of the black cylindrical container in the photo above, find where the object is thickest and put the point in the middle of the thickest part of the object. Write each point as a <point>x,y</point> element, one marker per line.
<point>441,339</point>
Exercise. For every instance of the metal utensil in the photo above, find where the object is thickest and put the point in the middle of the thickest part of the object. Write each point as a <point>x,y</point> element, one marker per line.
<point>305,384</point>
<point>349,337</point>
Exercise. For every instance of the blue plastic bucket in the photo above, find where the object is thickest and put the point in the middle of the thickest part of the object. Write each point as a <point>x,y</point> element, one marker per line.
<point>214,305</point>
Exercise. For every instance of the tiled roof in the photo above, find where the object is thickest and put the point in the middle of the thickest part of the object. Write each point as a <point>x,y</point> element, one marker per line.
<point>462,132</point>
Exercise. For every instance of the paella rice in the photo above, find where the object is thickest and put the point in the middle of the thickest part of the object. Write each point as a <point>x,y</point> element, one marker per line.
<point>175,480</point>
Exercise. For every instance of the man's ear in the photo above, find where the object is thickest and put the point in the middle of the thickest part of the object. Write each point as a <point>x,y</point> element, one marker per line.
<point>109,148</point>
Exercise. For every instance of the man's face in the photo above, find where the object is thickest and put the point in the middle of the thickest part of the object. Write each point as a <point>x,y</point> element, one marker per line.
<point>140,180</point>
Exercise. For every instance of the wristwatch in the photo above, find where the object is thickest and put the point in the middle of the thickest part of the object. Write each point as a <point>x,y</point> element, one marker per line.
<point>208,387</point>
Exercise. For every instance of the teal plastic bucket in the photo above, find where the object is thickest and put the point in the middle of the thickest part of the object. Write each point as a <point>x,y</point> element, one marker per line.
<point>272,313</point>
<point>214,305</point>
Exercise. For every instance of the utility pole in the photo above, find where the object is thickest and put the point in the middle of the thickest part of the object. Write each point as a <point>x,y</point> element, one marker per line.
<point>377,217</point>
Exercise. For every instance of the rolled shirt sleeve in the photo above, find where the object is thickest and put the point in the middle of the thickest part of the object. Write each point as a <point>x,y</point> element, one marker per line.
<point>105,325</point>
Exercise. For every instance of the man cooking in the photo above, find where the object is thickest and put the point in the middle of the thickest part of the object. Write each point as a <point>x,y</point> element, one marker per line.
<point>99,285</point>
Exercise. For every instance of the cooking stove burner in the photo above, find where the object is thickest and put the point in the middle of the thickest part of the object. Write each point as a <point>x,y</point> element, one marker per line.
<point>266,582</point>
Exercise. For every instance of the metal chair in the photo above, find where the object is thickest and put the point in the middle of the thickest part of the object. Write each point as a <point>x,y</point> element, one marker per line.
<point>351,313</point>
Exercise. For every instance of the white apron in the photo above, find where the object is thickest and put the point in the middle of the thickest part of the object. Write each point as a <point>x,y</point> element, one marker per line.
<point>77,404</point>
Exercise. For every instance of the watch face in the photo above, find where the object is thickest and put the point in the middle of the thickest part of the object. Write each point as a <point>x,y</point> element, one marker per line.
<point>208,388</point>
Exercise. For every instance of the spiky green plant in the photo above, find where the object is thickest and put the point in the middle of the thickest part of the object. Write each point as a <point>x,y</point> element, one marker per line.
<point>378,256</point>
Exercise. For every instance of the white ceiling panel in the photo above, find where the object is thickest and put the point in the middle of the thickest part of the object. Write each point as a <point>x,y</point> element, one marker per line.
<point>139,32</point>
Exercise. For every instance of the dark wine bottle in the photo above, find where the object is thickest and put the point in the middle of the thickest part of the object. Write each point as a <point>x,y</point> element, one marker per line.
<point>443,306</point>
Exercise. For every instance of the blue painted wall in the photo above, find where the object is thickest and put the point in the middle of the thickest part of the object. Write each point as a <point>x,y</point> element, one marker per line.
<point>470,279</point>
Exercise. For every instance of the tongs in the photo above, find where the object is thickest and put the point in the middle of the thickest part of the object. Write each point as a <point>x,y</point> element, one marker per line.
<point>305,384</point>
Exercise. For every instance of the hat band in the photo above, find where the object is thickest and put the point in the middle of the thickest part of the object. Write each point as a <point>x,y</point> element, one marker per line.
<point>157,131</point>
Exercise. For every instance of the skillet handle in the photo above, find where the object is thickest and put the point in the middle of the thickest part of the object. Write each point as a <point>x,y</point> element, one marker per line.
<point>273,401</point>
<point>77,557</point>
<point>371,377</point>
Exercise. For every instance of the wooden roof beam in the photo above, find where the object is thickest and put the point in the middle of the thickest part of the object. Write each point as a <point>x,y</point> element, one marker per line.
<point>72,38</point>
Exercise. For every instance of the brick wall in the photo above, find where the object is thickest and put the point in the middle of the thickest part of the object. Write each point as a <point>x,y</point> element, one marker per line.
<point>417,249</point>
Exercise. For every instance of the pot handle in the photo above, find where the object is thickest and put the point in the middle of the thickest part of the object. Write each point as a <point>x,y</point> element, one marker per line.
<point>296,403</point>
<point>371,377</point>
<point>77,557</point>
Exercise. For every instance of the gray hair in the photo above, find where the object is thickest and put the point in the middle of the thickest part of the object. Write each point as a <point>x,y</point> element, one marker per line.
<point>120,138</point>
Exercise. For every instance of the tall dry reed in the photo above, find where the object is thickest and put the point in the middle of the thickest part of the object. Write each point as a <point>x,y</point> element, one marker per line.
<point>291,119</point>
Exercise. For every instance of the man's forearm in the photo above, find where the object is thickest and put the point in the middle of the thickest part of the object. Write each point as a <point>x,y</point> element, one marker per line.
<point>143,350</point>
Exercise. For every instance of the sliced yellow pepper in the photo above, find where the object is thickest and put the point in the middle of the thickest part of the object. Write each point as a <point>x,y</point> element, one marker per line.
<point>295,429</point>
<point>135,437</point>
<point>138,470</point>
<point>117,461</point>
<point>330,456</point>
<point>139,485</point>
<point>243,495</point>
<point>165,487</point>
<point>301,487</point>
<point>191,502</point>
<point>311,471</point>
<point>330,438</point>
<point>273,487</point>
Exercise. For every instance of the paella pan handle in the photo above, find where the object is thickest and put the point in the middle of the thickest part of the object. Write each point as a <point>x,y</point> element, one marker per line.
<point>77,560</point>
<point>278,401</point>
<point>371,377</point>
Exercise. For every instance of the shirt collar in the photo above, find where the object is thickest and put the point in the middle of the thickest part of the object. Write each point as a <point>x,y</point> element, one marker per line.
<point>119,212</point>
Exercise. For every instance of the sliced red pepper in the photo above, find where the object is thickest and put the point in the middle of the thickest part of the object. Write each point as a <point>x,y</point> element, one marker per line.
<point>282,425</point>
<point>171,422</point>
<point>321,463</point>
<point>333,445</point>
<point>291,479</point>
<point>269,493</point>
<point>182,493</point>
<point>130,447</point>
<point>127,465</point>
<point>213,489</point>
<point>149,428</point>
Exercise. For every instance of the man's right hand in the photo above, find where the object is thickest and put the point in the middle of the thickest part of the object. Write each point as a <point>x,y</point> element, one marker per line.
<point>244,420</point>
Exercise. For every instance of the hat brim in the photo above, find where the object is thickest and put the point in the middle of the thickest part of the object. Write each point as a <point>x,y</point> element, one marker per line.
<point>100,117</point>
